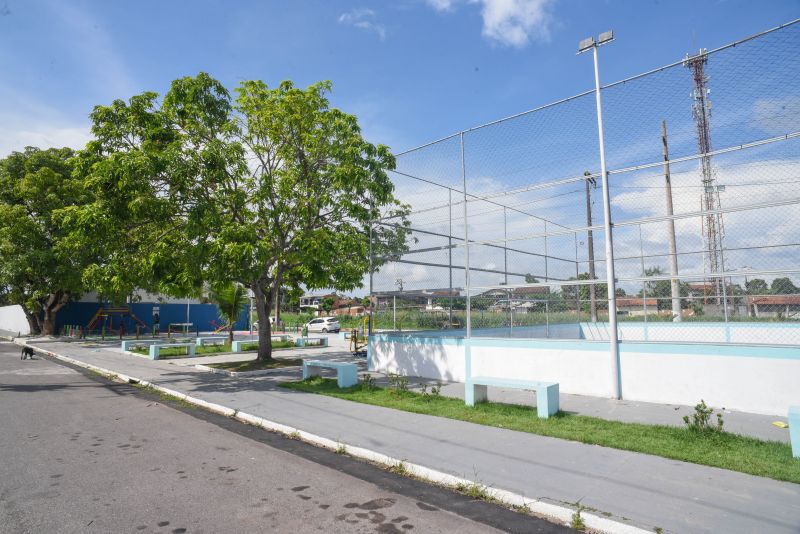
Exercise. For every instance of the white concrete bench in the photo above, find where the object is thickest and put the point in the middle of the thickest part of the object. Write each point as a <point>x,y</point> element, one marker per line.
<point>127,344</point>
<point>346,373</point>
<point>155,350</point>
<point>475,390</point>
<point>210,340</point>
<point>236,346</point>
<point>312,341</point>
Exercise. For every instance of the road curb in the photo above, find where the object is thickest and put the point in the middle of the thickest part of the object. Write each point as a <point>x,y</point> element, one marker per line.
<point>554,512</point>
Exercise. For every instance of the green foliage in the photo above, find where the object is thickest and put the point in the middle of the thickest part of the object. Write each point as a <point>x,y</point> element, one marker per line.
<point>327,304</point>
<point>40,269</point>
<point>273,188</point>
<point>398,382</point>
<point>367,382</point>
<point>784,286</point>
<point>701,419</point>
<point>231,300</point>
<point>577,522</point>
<point>757,286</point>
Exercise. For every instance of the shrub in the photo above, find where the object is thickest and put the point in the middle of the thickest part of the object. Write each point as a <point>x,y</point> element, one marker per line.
<point>701,419</point>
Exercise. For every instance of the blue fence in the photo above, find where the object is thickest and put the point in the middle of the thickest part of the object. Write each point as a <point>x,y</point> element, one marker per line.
<point>202,316</point>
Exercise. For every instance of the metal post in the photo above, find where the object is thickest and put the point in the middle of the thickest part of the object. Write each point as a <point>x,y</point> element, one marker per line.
<point>450,254</point>
<point>505,270</point>
<point>466,241</point>
<point>612,286</point>
<point>673,249</point>
<point>590,251</point>
<point>546,279</point>
<point>644,283</point>
<point>394,313</point>
<point>371,273</point>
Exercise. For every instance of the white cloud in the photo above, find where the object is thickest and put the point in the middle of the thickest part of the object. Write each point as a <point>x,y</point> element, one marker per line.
<point>516,22</point>
<point>509,22</point>
<point>441,5</point>
<point>363,19</point>
<point>24,122</point>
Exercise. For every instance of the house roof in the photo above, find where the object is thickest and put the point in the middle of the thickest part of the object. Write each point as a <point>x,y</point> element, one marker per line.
<point>778,300</point>
<point>630,302</point>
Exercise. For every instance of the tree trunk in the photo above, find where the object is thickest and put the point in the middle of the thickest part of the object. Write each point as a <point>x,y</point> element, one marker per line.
<point>53,303</point>
<point>33,322</point>
<point>263,308</point>
<point>230,334</point>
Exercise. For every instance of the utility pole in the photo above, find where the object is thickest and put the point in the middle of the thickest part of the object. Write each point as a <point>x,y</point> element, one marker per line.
<point>592,292</point>
<point>673,249</point>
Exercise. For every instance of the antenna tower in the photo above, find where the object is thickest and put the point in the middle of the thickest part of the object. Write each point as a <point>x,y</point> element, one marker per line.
<point>712,228</point>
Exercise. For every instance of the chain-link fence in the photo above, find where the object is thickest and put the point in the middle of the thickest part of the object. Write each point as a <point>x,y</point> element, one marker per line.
<point>507,224</point>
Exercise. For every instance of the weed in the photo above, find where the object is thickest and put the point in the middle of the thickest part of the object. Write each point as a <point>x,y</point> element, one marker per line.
<point>436,390</point>
<point>701,419</point>
<point>294,435</point>
<point>341,448</point>
<point>475,490</point>
<point>398,382</point>
<point>658,530</point>
<point>424,390</point>
<point>577,521</point>
<point>367,382</point>
<point>398,469</point>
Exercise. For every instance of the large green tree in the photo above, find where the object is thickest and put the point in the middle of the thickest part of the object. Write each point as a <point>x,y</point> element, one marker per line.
<point>39,269</point>
<point>272,188</point>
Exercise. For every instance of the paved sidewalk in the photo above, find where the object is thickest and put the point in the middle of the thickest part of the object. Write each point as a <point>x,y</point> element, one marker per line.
<point>652,491</point>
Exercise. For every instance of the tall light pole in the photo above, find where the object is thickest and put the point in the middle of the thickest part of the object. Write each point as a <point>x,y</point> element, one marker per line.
<point>584,46</point>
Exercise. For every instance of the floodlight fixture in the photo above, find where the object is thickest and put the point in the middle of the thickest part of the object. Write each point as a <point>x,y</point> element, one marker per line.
<point>589,42</point>
<point>586,44</point>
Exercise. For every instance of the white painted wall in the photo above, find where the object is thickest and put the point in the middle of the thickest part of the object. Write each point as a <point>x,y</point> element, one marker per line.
<point>12,319</point>
<point>416,358</point>
<point>765,381</point>
<point>751,384</point>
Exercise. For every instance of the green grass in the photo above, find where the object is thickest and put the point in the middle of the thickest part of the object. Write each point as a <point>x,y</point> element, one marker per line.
<point>256,365</point>
<point>181,352</point>
<point>770,459</point>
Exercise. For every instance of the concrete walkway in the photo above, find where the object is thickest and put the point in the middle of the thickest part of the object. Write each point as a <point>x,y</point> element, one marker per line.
<point>651,491</point>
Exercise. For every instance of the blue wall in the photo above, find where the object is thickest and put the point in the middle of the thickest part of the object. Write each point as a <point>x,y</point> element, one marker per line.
<point>201,315</point>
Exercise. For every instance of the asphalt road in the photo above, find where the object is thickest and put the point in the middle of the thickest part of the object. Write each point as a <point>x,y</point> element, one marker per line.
<point>81,454</point>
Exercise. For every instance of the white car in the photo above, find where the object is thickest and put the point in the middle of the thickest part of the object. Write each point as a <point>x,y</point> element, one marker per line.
<point>324,325</point>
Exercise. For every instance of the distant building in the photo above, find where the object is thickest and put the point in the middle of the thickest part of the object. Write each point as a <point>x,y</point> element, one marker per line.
<point>635,306</point>
<point>786,306</point>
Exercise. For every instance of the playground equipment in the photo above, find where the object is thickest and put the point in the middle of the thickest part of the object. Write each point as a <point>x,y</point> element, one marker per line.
<point>104,320</point>
<point>180,328</point>
<point>219,328</point>
<point>359,339</point>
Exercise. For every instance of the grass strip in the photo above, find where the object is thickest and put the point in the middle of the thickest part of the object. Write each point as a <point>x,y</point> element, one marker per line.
<point>181,352</point>
<point>745,454</point>
<point>258,365</point>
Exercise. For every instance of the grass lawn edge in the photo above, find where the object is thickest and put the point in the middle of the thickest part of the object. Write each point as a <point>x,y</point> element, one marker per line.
<point>724,450</point>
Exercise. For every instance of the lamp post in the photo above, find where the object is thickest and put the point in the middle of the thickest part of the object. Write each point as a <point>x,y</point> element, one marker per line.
<point>584,46</point>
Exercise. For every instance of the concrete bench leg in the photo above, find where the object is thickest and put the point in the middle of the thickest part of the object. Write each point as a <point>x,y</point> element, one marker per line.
<point>236,346</point>
<point>547,401</point>
<point>154,352</point>
<point>794,430</point>
<point>191,351</point>
<point>346,377</point>
<point>475,393</point>
<point>311,371</point>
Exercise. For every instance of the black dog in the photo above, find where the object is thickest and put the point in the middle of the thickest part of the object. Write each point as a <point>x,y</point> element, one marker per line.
<point>27,352</point>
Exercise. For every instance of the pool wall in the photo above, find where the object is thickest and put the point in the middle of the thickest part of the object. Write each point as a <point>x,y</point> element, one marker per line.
<point>759,379</point>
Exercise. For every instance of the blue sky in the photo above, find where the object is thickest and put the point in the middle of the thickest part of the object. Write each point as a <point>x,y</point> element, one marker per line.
<point>412,70</point>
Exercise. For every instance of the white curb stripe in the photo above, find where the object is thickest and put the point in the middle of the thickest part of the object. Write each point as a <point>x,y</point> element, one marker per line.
<point>560,514</point>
